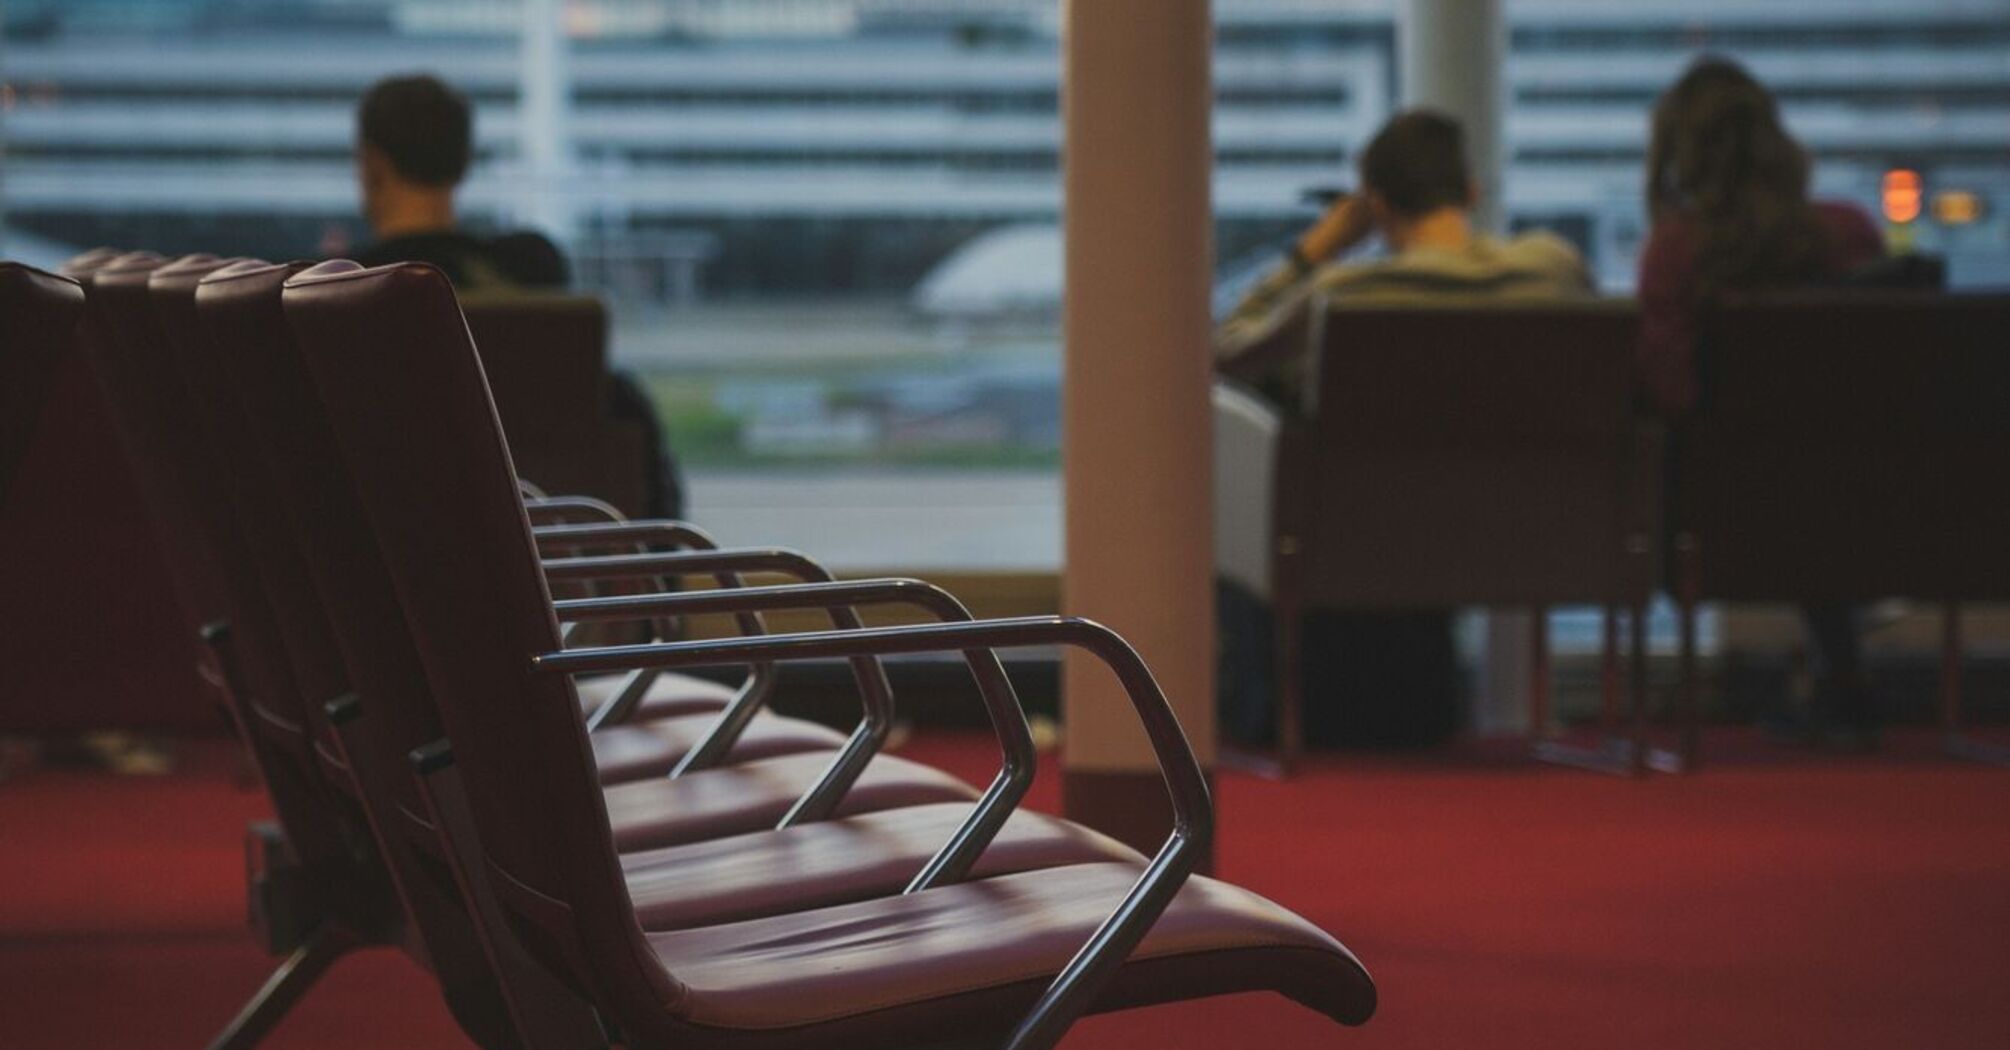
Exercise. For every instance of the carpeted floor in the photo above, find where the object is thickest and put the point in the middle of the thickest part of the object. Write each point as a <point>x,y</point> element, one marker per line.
<point>1770,900</point>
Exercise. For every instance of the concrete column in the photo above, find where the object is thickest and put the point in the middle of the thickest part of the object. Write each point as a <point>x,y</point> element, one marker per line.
<point>544,91</point>
<point>1137,453</point>
<point>1452,56</point>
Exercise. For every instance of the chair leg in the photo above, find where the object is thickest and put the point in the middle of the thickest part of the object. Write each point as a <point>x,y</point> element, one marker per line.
<point>1950,671</point>
<point>1289,675</point>
<point>473,994</point>
<point>1608,755</point>
<point>1608,672</point>
<point>1691,693</point>
<point>1688,704</point>
<point>1637,668</point>
<point>1953,741</point>
<point>1539,678</point>
<point>287,985</point>
<point>1286,700</point>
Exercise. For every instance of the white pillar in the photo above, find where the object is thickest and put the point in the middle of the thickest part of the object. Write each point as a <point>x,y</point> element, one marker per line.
<point>1137,452</point>
<point>1452,57</point>
<point>544,90</point>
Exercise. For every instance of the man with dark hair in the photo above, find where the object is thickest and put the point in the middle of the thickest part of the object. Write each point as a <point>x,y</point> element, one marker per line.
<point>1399,671</point>
<point>1417,164</point>
<point>414,142</point>
<point>1417,193</point>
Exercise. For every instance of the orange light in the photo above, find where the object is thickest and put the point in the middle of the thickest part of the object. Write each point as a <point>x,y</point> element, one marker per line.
<point>1902,195</point>
<point>1957,207</point>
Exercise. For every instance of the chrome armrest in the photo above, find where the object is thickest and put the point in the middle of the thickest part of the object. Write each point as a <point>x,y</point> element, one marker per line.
<point>617,531</point>
<point>552,510</point>
<point>540,507</point>
<point>875,691</point>
<point>1099,959</point>
<point>609,527</point>
<point>1008,719</point>
<point>570,536</point>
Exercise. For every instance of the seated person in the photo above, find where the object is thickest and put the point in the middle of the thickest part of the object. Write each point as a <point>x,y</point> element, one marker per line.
<point>1727,191</point>
<point>1398,671</point>
<point>414,142</point>
<point>1417,194</point>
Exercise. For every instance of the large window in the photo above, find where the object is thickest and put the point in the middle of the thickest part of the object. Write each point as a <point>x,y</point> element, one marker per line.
<point>829,227</point>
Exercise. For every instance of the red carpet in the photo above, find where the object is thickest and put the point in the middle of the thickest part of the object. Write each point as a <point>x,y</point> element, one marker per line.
<point>1766,901</point>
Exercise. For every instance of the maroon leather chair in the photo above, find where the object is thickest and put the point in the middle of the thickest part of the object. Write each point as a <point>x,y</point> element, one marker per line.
<point>1848,447</point>
<point>158,436</point>
<point>329,894</point>
<point>71,495</point>
<point>68,496</point>
<point>1479,455</point>
<point>155,409</point>
<point>951,961</point>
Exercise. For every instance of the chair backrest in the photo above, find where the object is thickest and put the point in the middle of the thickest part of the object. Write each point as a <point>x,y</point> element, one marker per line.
<point>545,356</point>
<point>39,315</point>
<point>173,452</point>
<point>231,450</point>
<point>91,563</point>
<point>149,408</point>
<point>1480,454</point>
<point>328,582</point>
<point>397,371</point>
<point>1850,445</point>
<point>83,263</point>
<point>308,496</point>
<point>147,436</point>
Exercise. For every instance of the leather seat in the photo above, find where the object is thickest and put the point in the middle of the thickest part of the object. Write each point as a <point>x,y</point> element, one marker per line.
<point>837,862</point>
<point>976,954</point>
<point>732,800</point>
<point>634,750</point>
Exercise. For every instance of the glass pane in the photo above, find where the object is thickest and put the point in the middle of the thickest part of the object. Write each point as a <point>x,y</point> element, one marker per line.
<point>829,227</point>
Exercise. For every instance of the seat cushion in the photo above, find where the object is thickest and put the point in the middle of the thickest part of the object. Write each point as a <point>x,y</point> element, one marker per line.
<point>837,862</point>
<point>634,750</point>
<point>973,957</point>
<point>669,696</point>
<point>753,796</point>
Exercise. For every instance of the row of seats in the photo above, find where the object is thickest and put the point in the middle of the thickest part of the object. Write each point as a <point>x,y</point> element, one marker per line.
<point>582,844</point>
<point>1847,449</point>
